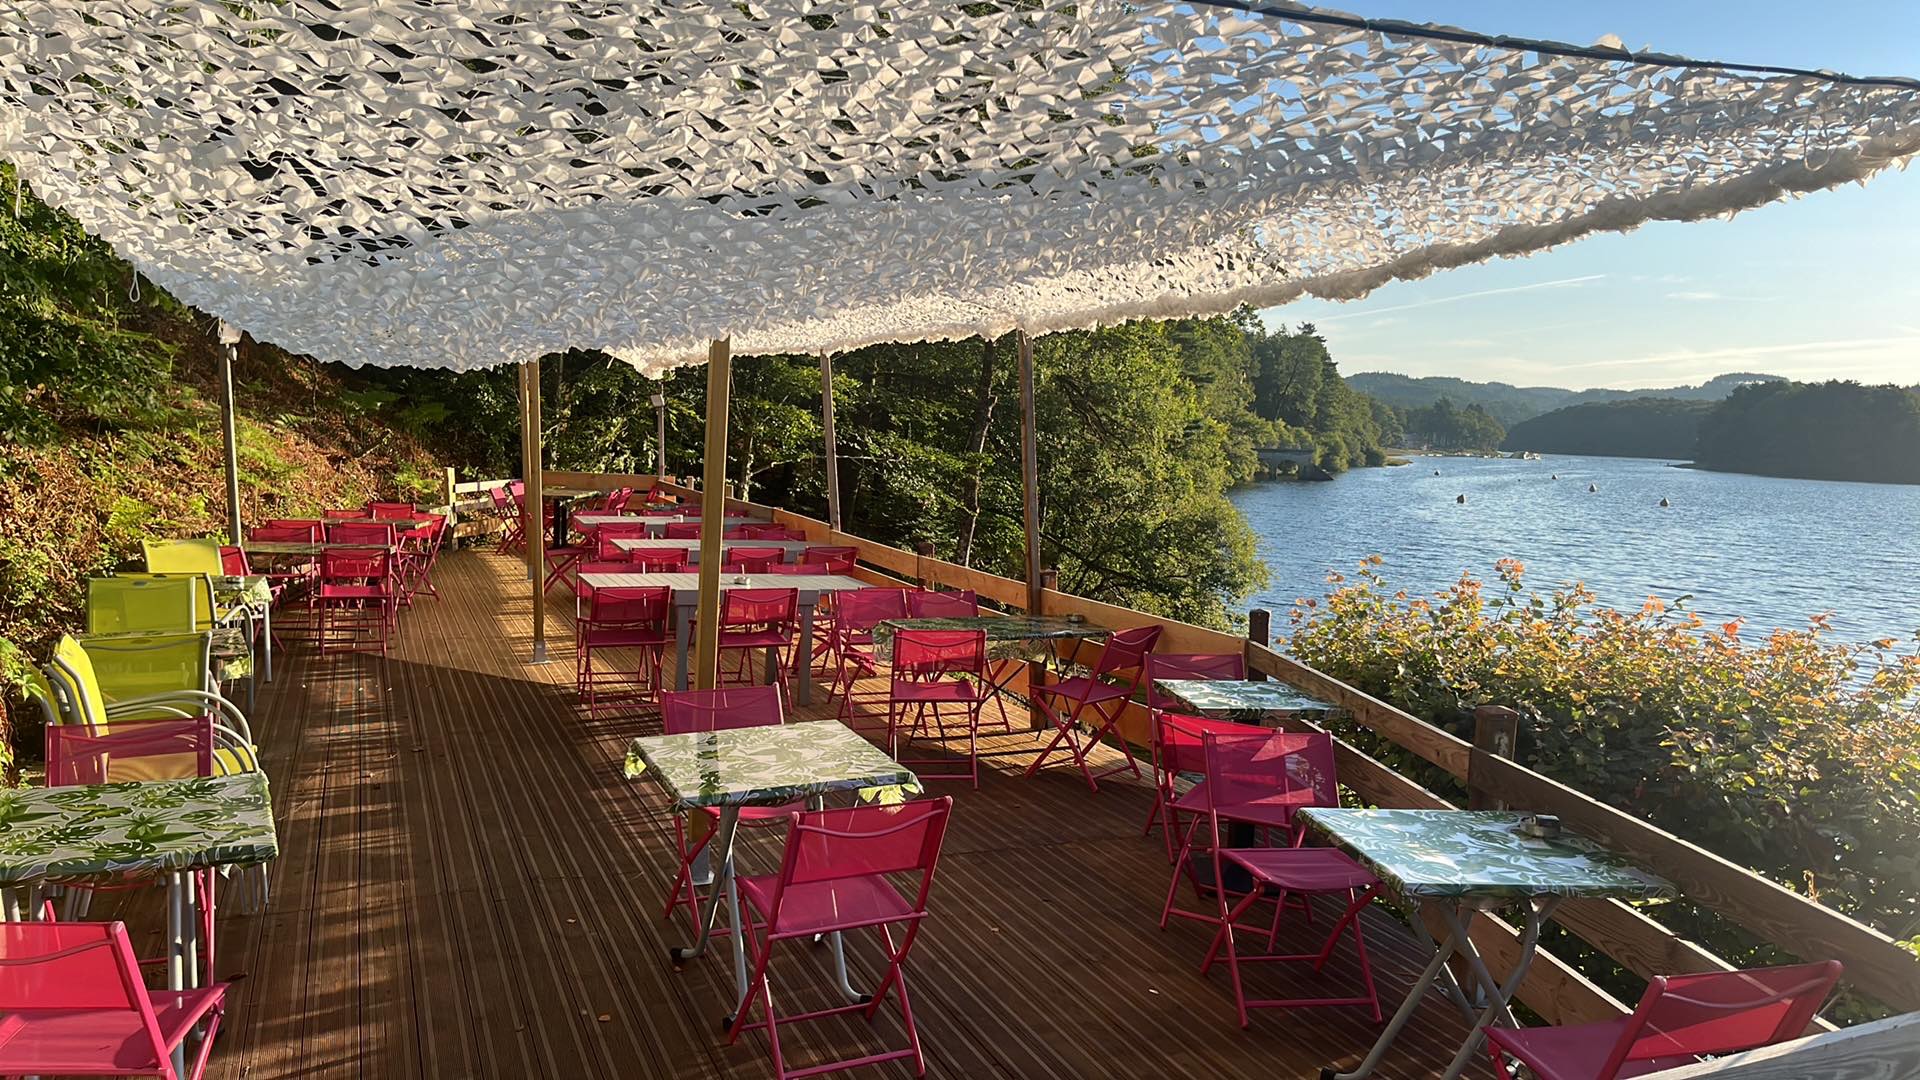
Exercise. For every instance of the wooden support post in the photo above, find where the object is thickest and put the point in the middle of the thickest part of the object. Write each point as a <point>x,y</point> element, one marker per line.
<point>922,551</point>
<point>453,505</point>
<point>537,513</point>
<point>659,402</point>
<point>1037,671</point>
<point>529,521</point>
<point>713,515</point>
<point>1496,731</point>
<point>1030,473</point>
<point>229,421</point>
<point>1259,632</point>
<point>831,444</point>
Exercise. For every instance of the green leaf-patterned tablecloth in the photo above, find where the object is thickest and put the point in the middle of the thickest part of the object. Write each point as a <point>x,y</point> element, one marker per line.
<point>1426,854</point>
<point>253,590</point>
<point>114,831</point>
<point>768,765</point>
<point>1009,637</point>
<point>1263,703</point>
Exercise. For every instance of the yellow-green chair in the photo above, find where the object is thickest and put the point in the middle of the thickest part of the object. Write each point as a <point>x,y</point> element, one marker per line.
<point>142,677</point>
<point>163,605</point>
<point>183,556</point>
<point>233,624</point>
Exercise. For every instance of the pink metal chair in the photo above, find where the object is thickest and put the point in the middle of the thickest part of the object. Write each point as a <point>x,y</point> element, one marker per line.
<point>1261,778</point>
<point>753,560</point>
<point>289,576</point>
<point>512,531</point>
<point>1680,1018</point>
<point>392,511</point>
<point>357,599</point>
<point>344,515</point>
<point>856,613</point>
<point>233,561</point>
<point>620,618</point>
<point>957,604</point>
<point>1091,699</point>
<point>436,534</point>
<point>1178,748</point>
<point>754,619</point>
<point>684,712</point>
<point>836,876</point>
<point>316,529</point>
<point>74,1003</point>
<point>605,550</point>
<point>659,560</point>
<point>682,530</point>
<point>766,532</point>
<point>931,669</point>
<point>822,553</point>
<point>374,533</point>
<point>1222,666</point>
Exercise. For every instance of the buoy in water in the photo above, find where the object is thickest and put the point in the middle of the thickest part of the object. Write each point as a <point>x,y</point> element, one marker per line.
<point>1664,502</point>
<point>1556,476</point>
<point>1593,487</point>
<point>1461,499</point>
<point>1436,472</point>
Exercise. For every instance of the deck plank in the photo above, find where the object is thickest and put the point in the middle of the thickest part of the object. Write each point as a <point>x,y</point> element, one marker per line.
<point>467,887</point>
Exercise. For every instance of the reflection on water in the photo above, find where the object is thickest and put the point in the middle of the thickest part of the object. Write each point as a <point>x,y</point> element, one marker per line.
<point>1774,551</point>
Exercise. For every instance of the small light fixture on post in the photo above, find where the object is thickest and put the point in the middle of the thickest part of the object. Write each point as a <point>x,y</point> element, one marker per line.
<point>659,402</point>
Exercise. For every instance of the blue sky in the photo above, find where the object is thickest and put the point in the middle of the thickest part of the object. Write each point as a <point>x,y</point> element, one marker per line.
<point>1826,286</point>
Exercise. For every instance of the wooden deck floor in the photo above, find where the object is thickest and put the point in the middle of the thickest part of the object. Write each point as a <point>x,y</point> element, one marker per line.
<point>468,888</point>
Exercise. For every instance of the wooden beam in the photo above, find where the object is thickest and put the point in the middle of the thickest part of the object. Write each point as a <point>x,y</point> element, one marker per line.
<point>831,445</point>
<point>537,513</point>
<point>1496,730</point>
<point>1876,964</point>
<point>229,421</point>
<point>713,511</point>
<point>1883,1050</point>
<point>1030,473</point>
<point>529,519</point>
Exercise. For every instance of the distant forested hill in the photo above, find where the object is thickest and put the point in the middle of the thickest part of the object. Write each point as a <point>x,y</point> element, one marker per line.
<point>1820,431</point>
<point>1512,404</point>
<point>1636,427</point>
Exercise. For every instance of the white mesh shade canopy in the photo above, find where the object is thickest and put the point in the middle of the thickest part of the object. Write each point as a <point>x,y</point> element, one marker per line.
<point>463,184</point>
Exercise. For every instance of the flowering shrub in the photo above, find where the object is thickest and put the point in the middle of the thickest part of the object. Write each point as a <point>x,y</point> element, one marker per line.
<point>1789,754</point>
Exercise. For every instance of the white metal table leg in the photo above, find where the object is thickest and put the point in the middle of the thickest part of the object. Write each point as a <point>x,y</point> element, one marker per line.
<point>838,943</point>
<point>1538,911</point>
<point>725,832</point>
<point>1421,984</point>
<point>179,970</point>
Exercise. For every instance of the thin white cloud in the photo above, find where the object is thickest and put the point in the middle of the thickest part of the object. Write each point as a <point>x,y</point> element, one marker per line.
<point>1700,296</point>
<point>1695,297</point>
<point>1739,352</point>
<point>1562,283</point>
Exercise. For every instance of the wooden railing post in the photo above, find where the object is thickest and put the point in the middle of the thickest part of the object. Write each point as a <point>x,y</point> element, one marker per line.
<point>1260,632</point>
<point>1496,731</point>
<point>453,504</point>
<point>922,551</point>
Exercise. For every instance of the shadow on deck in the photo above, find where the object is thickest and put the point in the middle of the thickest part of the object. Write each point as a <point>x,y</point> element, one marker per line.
<point>468,888</point>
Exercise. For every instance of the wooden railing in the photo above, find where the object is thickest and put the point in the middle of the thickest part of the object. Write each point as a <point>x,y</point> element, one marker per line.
<point>1875,964</point>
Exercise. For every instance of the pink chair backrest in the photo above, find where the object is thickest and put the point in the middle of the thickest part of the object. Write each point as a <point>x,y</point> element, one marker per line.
<point>861,841</point>
<point>1254,765</point>
<point>920,655</point>
<point>605,535</point>
<point>683,530</point>
<point>358,532</point>
<point>1220,666</point>
<point>736,533</point>
<point>756,560</point>
<point>1722,1012</point>
<point>1127,650</point>
<point>686,711</point>
<point>660,560</point>
<point>501,499</point>
<point>617,502</point>
<point>280,534</point>
<point>759,607</point>
<point>233,561</point>
<point>77,966</point>
<point>336,565</point>
<point>961,604</point>
<point>344,515</point>
<point>314,527</point>
<point>1179,739</point>
<point>764,532</point>
<point>170,749</point>
<point>624,605</point>
<point>390,509</point>
<point>828,552</point>
<point>863,609</point>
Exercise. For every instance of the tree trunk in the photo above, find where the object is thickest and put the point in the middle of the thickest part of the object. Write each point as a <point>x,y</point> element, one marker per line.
<point>984,400</point>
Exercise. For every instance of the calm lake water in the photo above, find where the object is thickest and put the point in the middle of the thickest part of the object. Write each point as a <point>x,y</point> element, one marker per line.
<point>1774,551</point>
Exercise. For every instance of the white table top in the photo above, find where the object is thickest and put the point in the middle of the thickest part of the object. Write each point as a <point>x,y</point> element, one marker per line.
<point>635,543</point>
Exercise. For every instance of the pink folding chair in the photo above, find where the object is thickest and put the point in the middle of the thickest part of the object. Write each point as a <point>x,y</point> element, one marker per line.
<point>759,619</point>
<point>684,712</point>
<point>74,1003</point>
<point>753,560</point>
<point>1260,778</point>
<point>289,575</point>
<point>1091,699</point>
<point>1680,1019</point>
<point>620,618</point>
<point>1177,748</point>
<point>659,560</point>
<point>856,613</point>
<point>1222,666</point>
<point>436,534</point>
<point>682,530</point>
<point>931,669</point>
<point>830,553</point>
<point>393,511</point>
<point>766,532</point>
<point>605,550</point>
<point>357,601</point>
<point>512,531</point>
<point>316,529</point>
<point>372,533</point>
<point>344,515</point>
<point>835,878</point>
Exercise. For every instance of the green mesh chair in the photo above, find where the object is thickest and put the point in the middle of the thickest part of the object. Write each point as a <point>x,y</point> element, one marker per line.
<point>231,625</point>
<point>143,677</point>
<point>183,556</point>
<point>133,605</point>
